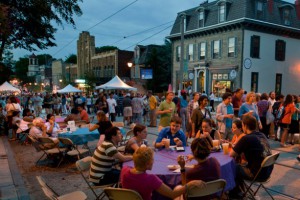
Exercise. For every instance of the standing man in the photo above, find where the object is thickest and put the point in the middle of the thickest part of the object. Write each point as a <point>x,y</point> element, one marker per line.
<point>166,110</point>
<point>48,103</point>
<point>127,111</point>
<point>112,107</point>
<point>38,102</point>
<point>237,101</point>
<point>224,116</point>
<point>193,104</point>
<point>137,108</point>
<point>152,112</point>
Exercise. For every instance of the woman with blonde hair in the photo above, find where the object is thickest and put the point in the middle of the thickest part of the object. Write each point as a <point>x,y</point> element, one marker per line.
<point>135,178</point>
<point>249,108</point>
<point>102,125</point>
<point>140,134</point>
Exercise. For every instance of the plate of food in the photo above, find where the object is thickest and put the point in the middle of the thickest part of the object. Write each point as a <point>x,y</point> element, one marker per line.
<point>173,167</point>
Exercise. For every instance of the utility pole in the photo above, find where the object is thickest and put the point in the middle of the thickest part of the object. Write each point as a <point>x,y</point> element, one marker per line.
<point>181,51</point>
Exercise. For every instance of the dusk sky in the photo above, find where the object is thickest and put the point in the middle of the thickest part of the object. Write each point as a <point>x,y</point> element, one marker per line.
<point>137,18</point>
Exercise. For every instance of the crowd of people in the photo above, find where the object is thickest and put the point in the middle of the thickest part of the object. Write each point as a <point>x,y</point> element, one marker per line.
<point>244,120</point>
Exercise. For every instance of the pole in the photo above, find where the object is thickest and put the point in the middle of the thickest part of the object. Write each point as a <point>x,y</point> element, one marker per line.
<point>181,51</point>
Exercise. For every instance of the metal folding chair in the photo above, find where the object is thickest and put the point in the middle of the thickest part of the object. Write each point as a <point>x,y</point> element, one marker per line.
<point>120,194</point>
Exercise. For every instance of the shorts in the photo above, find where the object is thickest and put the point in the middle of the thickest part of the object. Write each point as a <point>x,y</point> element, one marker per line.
<point>127,112</point>
<point>283,125</point>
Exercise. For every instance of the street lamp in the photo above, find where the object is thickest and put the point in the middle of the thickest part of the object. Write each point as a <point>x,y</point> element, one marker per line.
<point>129,64</point>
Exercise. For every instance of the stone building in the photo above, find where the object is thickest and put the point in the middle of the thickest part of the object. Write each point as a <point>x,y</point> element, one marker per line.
<point>107,64</point>
<point>237,43</point>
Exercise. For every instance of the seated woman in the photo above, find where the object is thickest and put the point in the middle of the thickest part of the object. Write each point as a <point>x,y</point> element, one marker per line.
<point>15,119</point>
<point>237,130</point>
<point>74,116</point>
<point>102,125</point>
<point>207,168</point>
<point>208,132</point>
<point>140,134</point>
<point>52,126</point>
<point>28,117</point>
<point>135,178</point>
<point>39,129</point>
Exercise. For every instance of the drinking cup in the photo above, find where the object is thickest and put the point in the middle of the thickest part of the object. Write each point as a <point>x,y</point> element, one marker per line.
<point>167,143</point>
<point>215,143</point>
<point>225,147</point>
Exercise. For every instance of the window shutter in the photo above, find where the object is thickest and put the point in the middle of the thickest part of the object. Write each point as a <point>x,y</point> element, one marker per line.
<point>176,55</point>
<point>212,49</point>
<point>252,47</point>
<point>194,52</point>
<point>235,47</point>
<point>283,50</point>
<point>220,49</point>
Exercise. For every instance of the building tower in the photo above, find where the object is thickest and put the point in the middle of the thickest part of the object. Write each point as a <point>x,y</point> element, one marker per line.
<point>85,51</point>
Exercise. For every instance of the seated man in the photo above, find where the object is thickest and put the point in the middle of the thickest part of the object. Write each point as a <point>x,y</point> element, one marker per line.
<point>102,171</point>
<point>254,147</point>
<point>83,114</point>
<point>173,133</point>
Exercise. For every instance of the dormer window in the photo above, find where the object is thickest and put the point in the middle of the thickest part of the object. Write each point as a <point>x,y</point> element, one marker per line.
<point>201,18</point>
<point>259,10</point>
<point>222,12</point>
<point>286,16</point>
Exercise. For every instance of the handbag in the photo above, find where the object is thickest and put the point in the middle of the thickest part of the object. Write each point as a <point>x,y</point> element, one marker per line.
<point>270,117</point>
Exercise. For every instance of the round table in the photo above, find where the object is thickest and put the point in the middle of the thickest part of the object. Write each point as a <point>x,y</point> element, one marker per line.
<point>81,135</point>
<point>163,158</point>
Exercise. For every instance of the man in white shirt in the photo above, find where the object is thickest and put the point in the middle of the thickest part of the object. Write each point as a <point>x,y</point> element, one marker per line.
<point>112,107</point>
<point>38,102</point>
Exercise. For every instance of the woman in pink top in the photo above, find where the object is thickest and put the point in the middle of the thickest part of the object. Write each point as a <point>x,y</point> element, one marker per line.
<point>137,179</point>
<point>289,108</point>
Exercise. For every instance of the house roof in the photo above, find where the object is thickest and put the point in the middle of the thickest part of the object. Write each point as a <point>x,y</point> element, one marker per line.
<point>238,11</point>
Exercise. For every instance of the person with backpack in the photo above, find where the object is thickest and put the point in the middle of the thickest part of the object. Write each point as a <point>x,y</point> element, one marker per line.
<point>285,117</point>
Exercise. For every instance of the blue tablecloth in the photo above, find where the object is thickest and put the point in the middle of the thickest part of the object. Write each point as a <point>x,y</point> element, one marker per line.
<point>81,136</point>
<point>164,158</point>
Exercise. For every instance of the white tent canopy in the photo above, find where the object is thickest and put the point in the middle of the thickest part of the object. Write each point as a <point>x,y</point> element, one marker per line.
<point>68,89</point>
<point>6,87</point>
<point>116,84</point>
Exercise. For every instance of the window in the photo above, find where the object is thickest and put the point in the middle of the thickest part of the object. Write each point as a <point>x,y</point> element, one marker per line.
<point>231,47</point>
<point>280,50</point>
<point>190,55</point>
<point>201,19</point>
<point>202,50</point>
<point>259,10</point>
<point>178,53</point>
<point>254,81</point>
<point>216,49</point>
<point>278,83</point>
<point>255,46</point>
<point>184,24</point>
<point>222,12</point>
<point>105,71</point>
<point>286,16</point>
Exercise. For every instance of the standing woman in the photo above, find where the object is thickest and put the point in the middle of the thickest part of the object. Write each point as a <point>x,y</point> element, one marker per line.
<point>249,108</point>
<point>193,104</point>
<point>263,106</point>
<point>12,106</point>
<point>183,110</point>
<point>285,123</point>
<point>102,125</point>
<point>212,101</point>
<point>295,121</point>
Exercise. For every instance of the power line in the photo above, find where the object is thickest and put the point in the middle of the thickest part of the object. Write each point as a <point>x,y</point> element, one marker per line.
<point>96,25</point>
<point>149,29</point>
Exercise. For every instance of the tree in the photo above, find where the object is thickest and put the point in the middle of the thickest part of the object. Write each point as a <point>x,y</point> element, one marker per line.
<point>45,59</point>
<point>28,24</point>
<point>160,62</point>
<point>105,48</point>
<point>21,71</point>
<point>72,58</point>
<point>90,79</point>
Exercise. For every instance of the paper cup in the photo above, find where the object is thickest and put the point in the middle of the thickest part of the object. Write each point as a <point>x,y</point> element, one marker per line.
<point>225,147</point>
<point>167,143</point>
<point>215,143</point>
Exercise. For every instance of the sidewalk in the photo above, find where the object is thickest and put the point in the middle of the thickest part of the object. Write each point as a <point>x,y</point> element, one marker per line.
<point>11,183</point>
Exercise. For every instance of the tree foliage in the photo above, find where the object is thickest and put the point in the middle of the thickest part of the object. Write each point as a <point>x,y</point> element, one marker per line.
<point>105,48</point>
<point>71,59</point>
<point>160,62</point>
<point>28,24</point>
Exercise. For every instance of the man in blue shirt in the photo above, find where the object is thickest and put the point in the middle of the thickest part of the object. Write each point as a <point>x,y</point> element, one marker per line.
<point>173,133</point>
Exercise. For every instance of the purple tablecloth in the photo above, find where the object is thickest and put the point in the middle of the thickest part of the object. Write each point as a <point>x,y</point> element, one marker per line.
<point>164,158</point>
